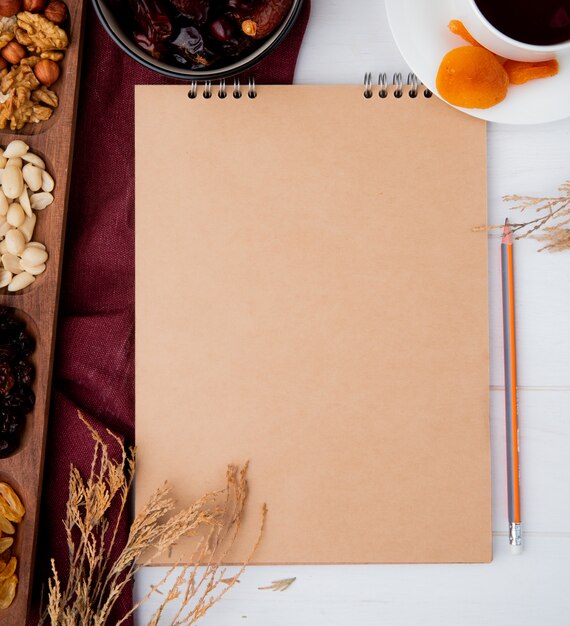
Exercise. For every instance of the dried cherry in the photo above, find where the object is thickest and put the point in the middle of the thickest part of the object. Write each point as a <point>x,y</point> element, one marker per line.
<point>17,397</point>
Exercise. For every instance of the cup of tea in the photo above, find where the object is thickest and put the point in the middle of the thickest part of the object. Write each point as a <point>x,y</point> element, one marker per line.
<point>523,30</point>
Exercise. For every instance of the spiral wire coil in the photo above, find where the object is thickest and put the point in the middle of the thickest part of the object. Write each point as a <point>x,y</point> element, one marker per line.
<point>237,91</point>
<point>413,83</point>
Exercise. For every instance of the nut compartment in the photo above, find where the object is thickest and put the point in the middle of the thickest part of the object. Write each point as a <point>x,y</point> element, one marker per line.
<point>52,141</point>
<point>34,258</point>
<point>65,86</point>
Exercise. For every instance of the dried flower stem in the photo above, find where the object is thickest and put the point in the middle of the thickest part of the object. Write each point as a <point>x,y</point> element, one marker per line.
<point>552,224</point>
<point>94,583</point>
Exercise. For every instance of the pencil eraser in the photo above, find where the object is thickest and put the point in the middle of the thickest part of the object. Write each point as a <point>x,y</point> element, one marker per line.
<point>516,549</point>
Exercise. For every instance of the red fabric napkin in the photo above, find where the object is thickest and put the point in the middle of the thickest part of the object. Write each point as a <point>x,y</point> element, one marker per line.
<point>94,364</point>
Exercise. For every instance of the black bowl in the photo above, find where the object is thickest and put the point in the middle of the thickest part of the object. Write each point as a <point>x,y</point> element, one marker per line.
<point>122,39</point>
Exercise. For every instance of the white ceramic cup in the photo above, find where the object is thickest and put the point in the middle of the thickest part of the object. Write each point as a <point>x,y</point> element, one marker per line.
<point>487,35</point>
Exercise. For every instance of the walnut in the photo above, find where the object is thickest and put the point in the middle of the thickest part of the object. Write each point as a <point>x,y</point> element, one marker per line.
<point>5,39</point>
<point>19,76</point>
<point>45,95</point>
<point>40,113</point>
<point>7,24</point>
<point>30,61</point>
<point>52,56</point>
<point>17,109</point>
<point>38,34</point>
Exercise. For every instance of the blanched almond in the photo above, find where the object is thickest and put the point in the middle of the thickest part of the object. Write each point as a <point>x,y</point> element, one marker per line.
<point>21,281</point>
<point>16,162</point>
<point>48,182</point>
<point>33,176</point>
<point>16,148</point>
<point>27,228</point>
<point>11,262</point>
<point>5,278</point>
<point>41,200</point>
<point>34,159</point>
<point>34,270</point>
<point>15,216</point>
<point>12,182</point>
<point>15,241</point>
<point>4,227</point>
<point>34,256</point>
<point>24,201</point>
<point>4,204</point>
<point>36,244</point>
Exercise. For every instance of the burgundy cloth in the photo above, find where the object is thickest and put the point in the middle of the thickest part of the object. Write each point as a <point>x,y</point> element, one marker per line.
<point>94,364</point>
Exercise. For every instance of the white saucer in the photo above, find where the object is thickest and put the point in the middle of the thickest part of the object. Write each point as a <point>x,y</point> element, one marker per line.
<point>420,30</point>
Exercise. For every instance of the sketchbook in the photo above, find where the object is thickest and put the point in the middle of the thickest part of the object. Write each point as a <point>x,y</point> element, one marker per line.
<point>311,297</point>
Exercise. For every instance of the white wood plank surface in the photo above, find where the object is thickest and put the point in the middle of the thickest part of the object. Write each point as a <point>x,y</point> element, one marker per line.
<point>345,39</point>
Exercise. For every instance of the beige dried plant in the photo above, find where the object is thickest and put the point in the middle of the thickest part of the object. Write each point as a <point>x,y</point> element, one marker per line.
<point>552,224</point>
<point>95,583</point>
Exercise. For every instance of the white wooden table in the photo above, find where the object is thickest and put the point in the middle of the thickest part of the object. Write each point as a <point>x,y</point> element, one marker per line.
<point>345,39</point>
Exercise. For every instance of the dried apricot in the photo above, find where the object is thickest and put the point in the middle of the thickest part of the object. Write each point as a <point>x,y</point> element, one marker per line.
<point>472,77</point>
<point>520,72</point>
<point>458,28</point>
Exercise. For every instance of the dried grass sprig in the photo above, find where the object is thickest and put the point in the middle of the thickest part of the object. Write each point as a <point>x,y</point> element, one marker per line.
<point>94,583</point>
<point>552,224</point>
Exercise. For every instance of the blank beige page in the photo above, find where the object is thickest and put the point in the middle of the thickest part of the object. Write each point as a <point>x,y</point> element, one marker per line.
<point>310,296</point>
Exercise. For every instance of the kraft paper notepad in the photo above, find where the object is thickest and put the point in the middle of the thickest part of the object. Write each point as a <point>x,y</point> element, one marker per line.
<point>311,297</point>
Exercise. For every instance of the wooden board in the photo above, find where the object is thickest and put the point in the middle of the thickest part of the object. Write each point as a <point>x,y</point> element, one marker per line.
<point>37,304</point>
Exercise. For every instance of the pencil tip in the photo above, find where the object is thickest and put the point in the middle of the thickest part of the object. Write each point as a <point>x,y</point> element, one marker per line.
<point>507,233</point>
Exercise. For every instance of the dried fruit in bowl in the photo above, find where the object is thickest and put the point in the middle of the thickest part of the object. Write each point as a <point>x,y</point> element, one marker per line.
<point>196,34</point>
<point>472,77</point>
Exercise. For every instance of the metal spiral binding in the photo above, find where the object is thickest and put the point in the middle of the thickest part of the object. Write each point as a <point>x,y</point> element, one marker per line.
<point>382,85</point>
<point>413,82</point>
<point>222,90</point>
<point>397,82</point>
<point>368,85</point>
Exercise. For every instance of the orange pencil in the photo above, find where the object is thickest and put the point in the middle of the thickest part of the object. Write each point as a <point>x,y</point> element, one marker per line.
<point>511,421</point>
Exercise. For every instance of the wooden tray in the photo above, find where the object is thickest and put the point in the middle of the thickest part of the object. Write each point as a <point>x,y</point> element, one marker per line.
<point>37,304</point>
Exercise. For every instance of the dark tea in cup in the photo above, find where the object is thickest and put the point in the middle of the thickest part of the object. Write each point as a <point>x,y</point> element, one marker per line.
<point>535,22</point>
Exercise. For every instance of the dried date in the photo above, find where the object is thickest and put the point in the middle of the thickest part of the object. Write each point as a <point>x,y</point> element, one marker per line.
<point>265,18</point>
<point>196,10</point>
<point>152,20</point>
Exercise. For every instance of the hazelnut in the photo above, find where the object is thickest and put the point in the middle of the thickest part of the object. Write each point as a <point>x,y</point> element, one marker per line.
<point>34,6</point>
<point>13,52</point>
<point>9,7</point>
<point>56,12</point>
<point>46,71</point>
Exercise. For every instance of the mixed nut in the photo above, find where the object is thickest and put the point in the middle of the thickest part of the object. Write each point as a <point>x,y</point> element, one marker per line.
<point>196,34</point>
<point>25,188</point>
<point>16,379</point>
<point>12,512</point>
<point>32,43</point>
